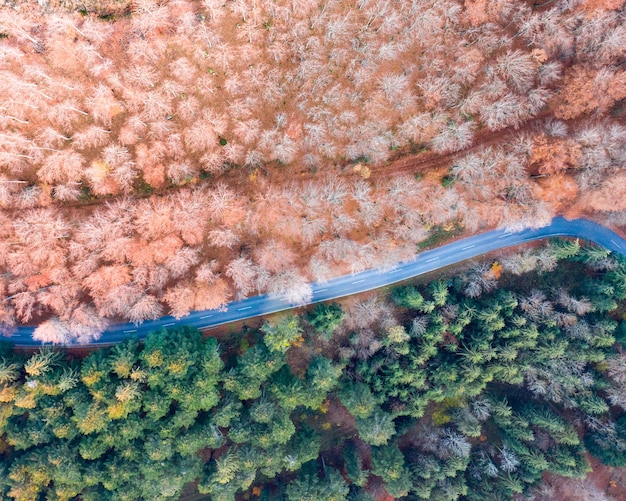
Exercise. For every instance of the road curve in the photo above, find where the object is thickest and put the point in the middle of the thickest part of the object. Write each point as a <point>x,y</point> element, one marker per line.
<point>425,262</point>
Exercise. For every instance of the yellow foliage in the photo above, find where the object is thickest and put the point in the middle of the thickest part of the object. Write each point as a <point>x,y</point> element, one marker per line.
<point>26,401</point>
<point>154,358</point>
<point>39,476</point>
<point>117,410</point>
<point>265,440</point>
<point>496,269</point>
<point>177,367</point>
<point>62,431</point>
<point>91,379</point>
<point>6,411</point>
<point>50,389</point>
<point>440,418</point>
<point>324,407</point>
<point>453,402</point>
<point>176,392</point>
<point>397,334</point>
<point>602,366</point>
<point>7,393</point>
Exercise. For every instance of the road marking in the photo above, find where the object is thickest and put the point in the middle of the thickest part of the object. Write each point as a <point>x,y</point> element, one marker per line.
<point>468,247</point>
<point>244,308</point>
<point>206,316</point>
<point>395,271</point>
<point>505,235</point>
<point>358,282</point>
<point>616,244</point>
<point>169,325</point>
<point>432,259</point>
<point>321,290</point>
<point>127,332</point>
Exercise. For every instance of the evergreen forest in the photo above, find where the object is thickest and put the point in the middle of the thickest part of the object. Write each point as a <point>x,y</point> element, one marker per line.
<point>468,387</point>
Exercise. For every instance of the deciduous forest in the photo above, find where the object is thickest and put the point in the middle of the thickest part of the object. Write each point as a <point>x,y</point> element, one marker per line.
<point>469,387</point>
<point>163,157</point>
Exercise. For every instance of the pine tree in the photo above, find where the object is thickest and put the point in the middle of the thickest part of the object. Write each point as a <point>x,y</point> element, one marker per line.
<point>325,318</point>
<point>281,333</point>
<point>376,429</point>
<point>354,465</point>
<point>311,488</point>
<point>564,249</point>
<point>388,463</point>
<point>358,399</point>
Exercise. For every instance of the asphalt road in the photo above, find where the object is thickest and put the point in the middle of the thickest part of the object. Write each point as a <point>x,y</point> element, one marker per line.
<point>425,262</point>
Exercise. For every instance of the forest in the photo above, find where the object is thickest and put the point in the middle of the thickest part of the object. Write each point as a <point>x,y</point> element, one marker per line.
<point>159,157</point>
<point>469,387</point>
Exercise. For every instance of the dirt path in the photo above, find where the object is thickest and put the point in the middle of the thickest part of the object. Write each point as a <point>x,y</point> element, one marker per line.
<point>429,160</point>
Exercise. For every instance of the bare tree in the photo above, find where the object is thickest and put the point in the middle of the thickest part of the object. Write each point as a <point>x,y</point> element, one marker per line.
<point>223,238</point>
<point>92,137</point>
<point>26,305</point>
<point>453,137</point>
<point>154,218</point>
<point>147,307</point>
<point>518,68</point>
<point>53,331</point>
<point>103,106</point>
<point>393,87</point>
<point>62,167</point>
<point>505,112</point>
<point>243,274</point>
<point>180,172</point>
<point>536,306</point>
<point>67,192</point>
<point>221,198</point>
<point>479,281</point>
<point>182,261</point>
<point>578,306</point>
<point>86,324</point>
<point>274,256</point>
<point>208,272</point>
<point>292,287</point>
<point>181,300</point>
<point>201,137</point>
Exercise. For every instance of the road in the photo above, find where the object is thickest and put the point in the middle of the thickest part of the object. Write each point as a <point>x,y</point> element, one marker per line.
<point>425,262</point>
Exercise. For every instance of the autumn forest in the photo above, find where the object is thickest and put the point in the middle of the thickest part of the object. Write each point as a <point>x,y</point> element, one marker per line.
<point>163,157</point>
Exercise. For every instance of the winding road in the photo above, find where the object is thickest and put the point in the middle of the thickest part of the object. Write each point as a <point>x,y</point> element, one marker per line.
<point>425,262</point>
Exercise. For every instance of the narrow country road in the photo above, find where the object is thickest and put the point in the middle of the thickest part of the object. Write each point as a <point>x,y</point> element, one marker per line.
<point>425,262</point>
